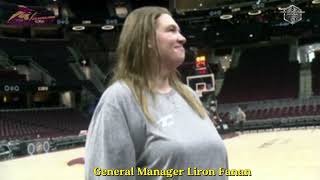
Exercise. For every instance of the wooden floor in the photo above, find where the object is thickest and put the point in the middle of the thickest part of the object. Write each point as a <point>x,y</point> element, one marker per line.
<point>50,166</point>
<point>277,155</point>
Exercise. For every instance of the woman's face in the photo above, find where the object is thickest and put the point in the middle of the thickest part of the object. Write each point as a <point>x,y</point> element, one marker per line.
<point>170,42</point>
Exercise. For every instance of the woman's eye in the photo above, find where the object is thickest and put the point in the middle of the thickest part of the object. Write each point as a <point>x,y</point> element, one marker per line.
<point>172,29</point>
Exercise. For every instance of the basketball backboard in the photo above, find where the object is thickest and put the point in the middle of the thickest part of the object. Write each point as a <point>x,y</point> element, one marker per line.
<point>201,83</point>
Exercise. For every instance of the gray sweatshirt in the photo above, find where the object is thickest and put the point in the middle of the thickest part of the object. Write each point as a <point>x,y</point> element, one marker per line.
<point>122,144</point>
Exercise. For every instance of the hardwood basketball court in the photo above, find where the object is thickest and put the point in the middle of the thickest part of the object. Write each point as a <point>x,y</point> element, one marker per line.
<point>274,155</point>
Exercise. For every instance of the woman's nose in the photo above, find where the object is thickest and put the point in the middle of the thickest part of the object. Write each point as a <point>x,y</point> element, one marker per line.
<point>181,38</point>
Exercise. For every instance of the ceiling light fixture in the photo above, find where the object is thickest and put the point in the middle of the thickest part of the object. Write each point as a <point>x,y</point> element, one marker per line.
<point>254,12</point>
<point>316,2</point>
<point>282,8</point>
<point>236,9</point>
<point>226,16</point>
<point>86,22</point>
<point>107,27</point>
<point>78,28</point>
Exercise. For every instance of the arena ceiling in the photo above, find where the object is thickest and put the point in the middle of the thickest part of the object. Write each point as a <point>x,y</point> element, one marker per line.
<point>201,20</point>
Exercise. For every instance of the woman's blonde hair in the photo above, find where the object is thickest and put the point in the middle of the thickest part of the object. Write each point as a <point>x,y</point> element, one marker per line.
<point>138,64</point>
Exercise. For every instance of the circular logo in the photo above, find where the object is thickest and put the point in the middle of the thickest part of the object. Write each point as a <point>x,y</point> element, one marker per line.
<point>31,149</point>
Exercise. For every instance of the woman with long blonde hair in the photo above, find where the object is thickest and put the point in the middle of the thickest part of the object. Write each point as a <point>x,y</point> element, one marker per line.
<point>148,124</point>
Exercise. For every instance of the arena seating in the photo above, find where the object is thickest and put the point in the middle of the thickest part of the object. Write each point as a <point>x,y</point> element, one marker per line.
<point>41,122</point>
<point>11,76</point>
<point>52,56</point>
<point>315,66</point>
<point>274,109</point>
<point>291,111</point>
<point>263,73</point>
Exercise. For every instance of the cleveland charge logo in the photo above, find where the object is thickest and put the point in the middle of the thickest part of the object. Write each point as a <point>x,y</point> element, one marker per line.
<point>28,16</point>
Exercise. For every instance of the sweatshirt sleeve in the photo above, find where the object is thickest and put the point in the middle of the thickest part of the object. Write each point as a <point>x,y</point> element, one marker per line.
<point>109,143</point>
